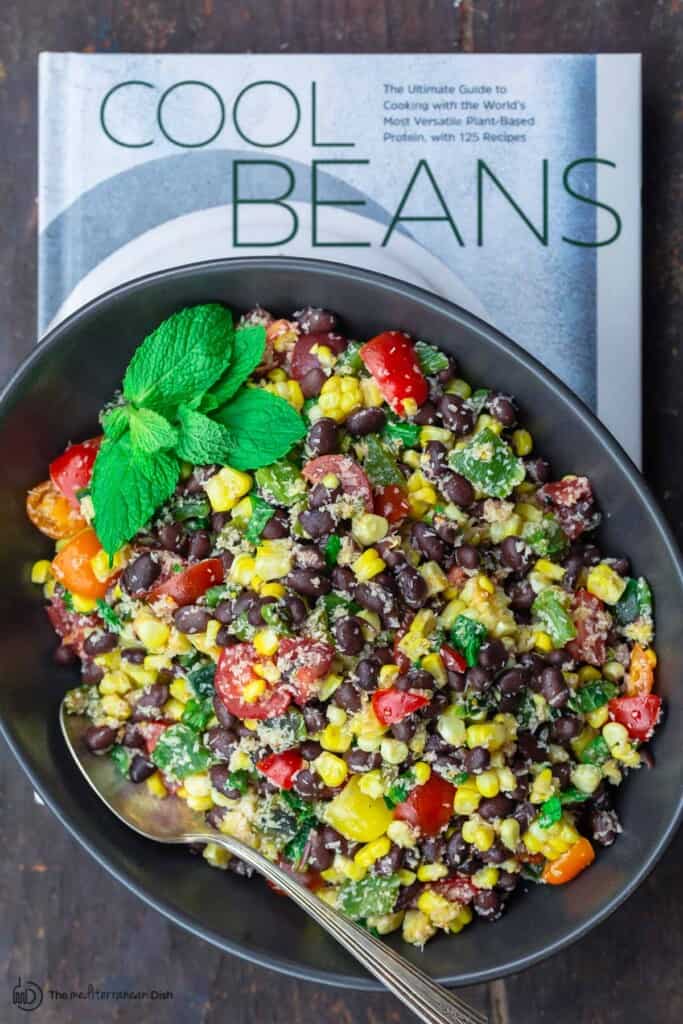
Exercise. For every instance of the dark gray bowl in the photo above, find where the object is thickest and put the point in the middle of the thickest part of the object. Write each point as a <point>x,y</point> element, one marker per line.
<point>55,397</point>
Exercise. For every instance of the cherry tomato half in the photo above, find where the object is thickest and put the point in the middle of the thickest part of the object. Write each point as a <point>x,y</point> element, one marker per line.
<point>353,480</point>
<point>70,472</point>
<point>640,714</point>
<point>72,566</point>
<point>233,672</point>
<point>280,769</point>
<point>392,705</point>
<point>428,807</point>
<point>186,586</point>
<point>303,661</point>
<point>391,359</point>
<point>52,513</point>
<point>391,502</point>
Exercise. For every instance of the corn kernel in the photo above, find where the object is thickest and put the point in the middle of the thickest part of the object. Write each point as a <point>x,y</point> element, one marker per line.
<point>394,751</point>
<point>478,834</point>
<point>273,559</point>
<point>253,690</point>
<point>336,738</point>
<point>225,488</point>
<point>543,641</point>
<point>242,569</point>
<point>115,682</point>
<point>40,572</point>
<point>217,856</point>
<point>586,777</point>
<point>421,772</point>
<point>461,921</point>
<point>598,717</point>
<point>433,663</point>
<point>239,761</point>
<point>411,458</point>
<point>522,442</point>
<point>433,904</point>
<point>605,583</point>
<point>272,590</point>
<point>453,609</point>
<point>368,529</point>
<point>431,872</point>
<point>372,784</point>
<point>401,833</point>
<point>348,869</point>
<point>335,715</point>
<point>181,690</point>
<point>387,675</point>
<point>486,878</point>
<point>552,570</point>
<point>542,788</point>
<point>417,928</point>
<point>197,784</point>
<point>428,434</point>
<point>459,387</point>
<point>491,735</point>
<point>151,631</point>
<point>199,803</point>
<point>371,852</point>
<point>406,877</point>
<point>506,779</point>
<point>487,783</point>
<point>267,670</point>
<point>83,605</point>
<point>173,709</point>
<point>115,707</point>
<point>140,675</point>
<point>485,584</point>
<point>328,685</point>
<point>451,727</point>
<point>486,422</point>
<point>332,875</point>
<point>466,800</point>
<point>614,734</point>
<point>510,833</point>
<point>434,577</point>
<point>328,895</point>
<point>368,564</point>
<point>372,396</point>
<point>339,396</point>
<point>155,786</point>
<point>266,642</point>
<point>587,673</point>
<point>331,769</point>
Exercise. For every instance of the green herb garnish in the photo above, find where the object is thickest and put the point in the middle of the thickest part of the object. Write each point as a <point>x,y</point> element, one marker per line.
<point>197,713</point>
<point>597,752</point>
<point>121,758</point>
<point>109,617</point>
<point>432,360</point>
<point>405,433</point>
<point>467,636</point>
<point>332,549</point>
<point>546,538</point>
<point>180,752</point>
<point>261,514</point>
<point>201,680</point>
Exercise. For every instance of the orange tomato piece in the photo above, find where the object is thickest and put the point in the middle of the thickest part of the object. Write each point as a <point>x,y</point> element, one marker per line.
<point>71,566</point>
<point>51,512</point>
<point>641,673</point>
<point>569,864</point>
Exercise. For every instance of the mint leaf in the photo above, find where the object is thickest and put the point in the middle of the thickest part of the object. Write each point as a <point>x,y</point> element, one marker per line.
<point>127,487</point>
<point>248,349</point>
<point>150,432</point>
<point>181,359</point>
<point>115,422</point>
<point>264,427</point>
<point>201,439</point>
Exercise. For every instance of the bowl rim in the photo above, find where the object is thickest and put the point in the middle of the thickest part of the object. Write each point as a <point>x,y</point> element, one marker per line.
<point>509,348</point>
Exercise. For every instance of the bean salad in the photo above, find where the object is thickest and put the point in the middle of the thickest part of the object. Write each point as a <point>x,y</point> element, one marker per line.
<point>392,657</point>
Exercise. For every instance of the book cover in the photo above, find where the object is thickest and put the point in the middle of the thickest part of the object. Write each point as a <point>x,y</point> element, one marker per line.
<point>507,184</point>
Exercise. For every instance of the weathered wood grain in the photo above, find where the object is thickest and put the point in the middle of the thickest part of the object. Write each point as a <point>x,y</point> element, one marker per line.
<point>66,923</point>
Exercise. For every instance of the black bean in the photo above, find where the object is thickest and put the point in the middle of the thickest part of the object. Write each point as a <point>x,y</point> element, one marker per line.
<point>314,717</point>
<point>486,904</point>
<point>227,720</point>
<point>493,655</point>
<point>467,556</point>
<point>139,575</point>
<point>215,816</point>
<point>99,738</point>
<point>433,849</point>
<point>316,855</point>
<point>99,642</point>
<point>374,597</point>
<point>309,556</point>
<point>513,681</point>
<point>310,749</point>
<point>604,826</point>
<point>559,657</point>
<point>428,542</point>
<point>407,894</point>
<point>425,415</point>
<point>529,748</point>
<point>255,613</point>
<point>573,565</point>
<point>220,741</point>
<point>365,421</point>
<point>362,760</point>
<point>91,673</point>
<point>346,696</point>
<point>321,495</point>
<point>477,760</point>
<point>311,383</point>
<point>456,680</point>
<point>457,489</point>
<point>456,415</point>
<point>344,580</point>
<point>525,813</point>
<point>521,594</point>
<point>391,553</point>
<point>479,679</point>
<point>495,807</point>
<point>436,460</point>
<point>140,769</point>
<point>419,679</point>
<point>308,785</point>
<point>309,582</point>
<point>495,854</point>
<point>538,470</point>
<point>412,587</point>
<point>133,737</point>
<point>151,699</point>
<point>191,619</point>
<point>219,520</point>
<point>294,609</point>
<point>456,850</point>
<point>313,320</point>
<point>405,729</point>
<point>349,635</point>
<point>507,881</point>
<point>317,522</point>
<point>390,863</point>
<point>323,437</point>
<point>277,526</point>
<point>515,554</point>
<point>224,612</point>
<point>553,687</point>
<point>172,537</point>
<point>237,866</point>
<point>566,728</point>
<point>443,376</point>
<point>225,637</point>
<point>200,545</point>
<point>562,772</point>
<point>367,673</point>
<point>134,655</point>
<point>621,565</point>
<point>64,655</point>
<point>503,409</point>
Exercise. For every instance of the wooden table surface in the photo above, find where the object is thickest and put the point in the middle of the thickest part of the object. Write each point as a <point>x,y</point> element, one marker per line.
<point>66,923</point>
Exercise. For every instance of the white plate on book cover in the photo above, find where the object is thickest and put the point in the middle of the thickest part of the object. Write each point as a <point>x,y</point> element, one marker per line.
<point>207,234</point>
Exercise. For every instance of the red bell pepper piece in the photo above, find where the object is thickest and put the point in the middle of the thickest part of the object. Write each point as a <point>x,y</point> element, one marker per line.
<point>280,769</point>
<point>392,705</point>
<point>70,472</point>
<point>391,359</point>
<point>391,502</point>
<point>428,807</point>
<point>453,660</point>
<point>233,672</point>
<point>640,714</point>
<point>185,587</point>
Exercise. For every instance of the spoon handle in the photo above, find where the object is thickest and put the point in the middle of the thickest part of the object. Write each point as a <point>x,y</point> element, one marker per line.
<point>428,1000</point>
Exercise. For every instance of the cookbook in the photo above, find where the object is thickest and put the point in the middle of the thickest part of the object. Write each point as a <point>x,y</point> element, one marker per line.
<point>508,184</point>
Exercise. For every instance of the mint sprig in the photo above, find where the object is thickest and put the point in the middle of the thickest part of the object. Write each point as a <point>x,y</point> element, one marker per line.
<point>184,398</point>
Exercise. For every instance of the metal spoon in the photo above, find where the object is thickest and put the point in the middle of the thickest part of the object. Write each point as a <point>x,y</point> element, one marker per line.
<point>172,821</point>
